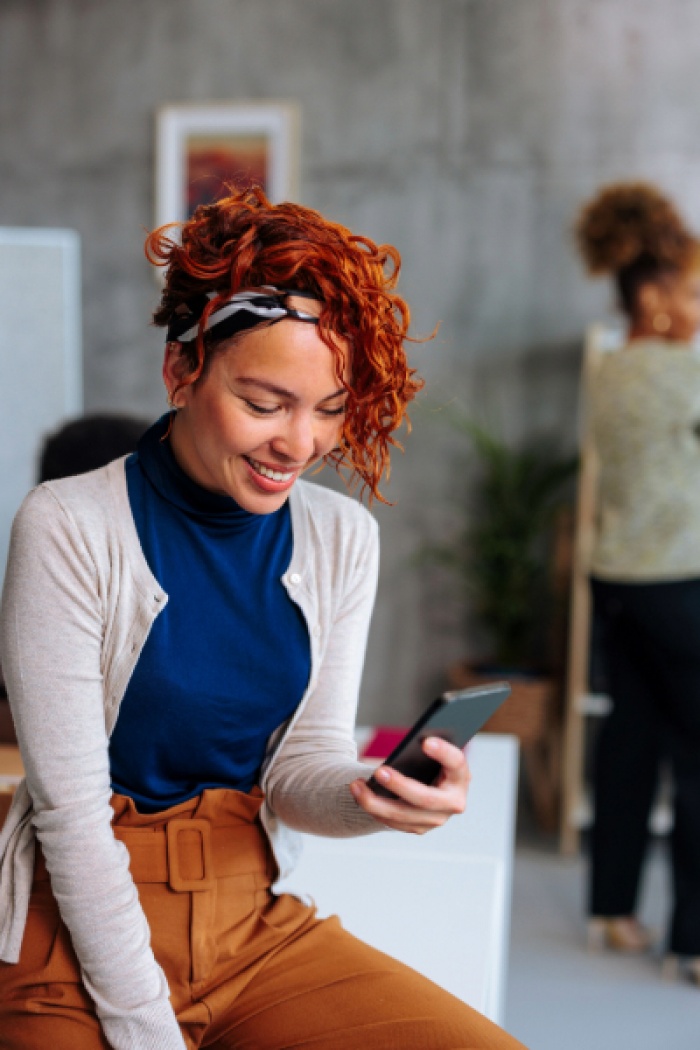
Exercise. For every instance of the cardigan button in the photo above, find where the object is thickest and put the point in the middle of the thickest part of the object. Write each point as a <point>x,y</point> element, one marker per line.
<point>295,578</point>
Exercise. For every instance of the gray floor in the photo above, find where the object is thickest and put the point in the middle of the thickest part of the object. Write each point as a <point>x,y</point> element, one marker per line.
<point>561,997</point>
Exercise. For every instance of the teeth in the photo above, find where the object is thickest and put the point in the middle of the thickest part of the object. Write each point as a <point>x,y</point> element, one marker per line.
<point>274,475</point>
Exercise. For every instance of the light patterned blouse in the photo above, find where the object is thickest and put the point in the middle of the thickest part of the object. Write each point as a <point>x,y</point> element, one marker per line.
<point>645,414</point>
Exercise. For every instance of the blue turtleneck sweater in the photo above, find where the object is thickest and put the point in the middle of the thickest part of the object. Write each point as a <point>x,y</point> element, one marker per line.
<point>227,660</point>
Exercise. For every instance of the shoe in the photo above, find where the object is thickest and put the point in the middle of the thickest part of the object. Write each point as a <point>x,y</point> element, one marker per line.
<point>619,933</point>
<point>681,967</point>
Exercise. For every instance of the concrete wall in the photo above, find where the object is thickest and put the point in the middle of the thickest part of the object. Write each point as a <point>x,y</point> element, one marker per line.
<point>464,131</point>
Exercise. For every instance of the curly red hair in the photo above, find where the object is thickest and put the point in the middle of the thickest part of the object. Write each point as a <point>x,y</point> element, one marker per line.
<point>243,242</point>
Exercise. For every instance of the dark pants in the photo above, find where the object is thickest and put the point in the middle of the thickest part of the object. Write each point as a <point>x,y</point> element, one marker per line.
<point>652,638</point>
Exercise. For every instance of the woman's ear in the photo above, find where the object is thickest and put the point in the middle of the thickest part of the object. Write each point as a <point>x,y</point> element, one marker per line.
<point>175,368</point>
<point>651,298</point>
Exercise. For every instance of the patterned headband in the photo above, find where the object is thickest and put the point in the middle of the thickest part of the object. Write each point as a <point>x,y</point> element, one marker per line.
<point>241,311</point>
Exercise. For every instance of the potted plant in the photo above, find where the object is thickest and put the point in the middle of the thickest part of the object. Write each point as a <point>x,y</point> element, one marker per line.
<point>506,557</point>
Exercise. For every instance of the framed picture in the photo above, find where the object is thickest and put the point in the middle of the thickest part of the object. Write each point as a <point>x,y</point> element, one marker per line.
<point>203,149</point>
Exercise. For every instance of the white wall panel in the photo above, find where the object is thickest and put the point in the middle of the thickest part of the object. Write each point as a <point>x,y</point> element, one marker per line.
<point>40,353</point>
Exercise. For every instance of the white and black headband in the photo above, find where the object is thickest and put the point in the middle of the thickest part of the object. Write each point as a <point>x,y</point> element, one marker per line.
<point>236,314</point>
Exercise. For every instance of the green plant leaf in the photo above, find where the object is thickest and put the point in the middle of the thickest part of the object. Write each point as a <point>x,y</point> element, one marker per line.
<point>502,553</point>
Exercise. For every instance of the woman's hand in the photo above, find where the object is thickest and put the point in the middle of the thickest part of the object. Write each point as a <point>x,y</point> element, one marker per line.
<point>419,808</point>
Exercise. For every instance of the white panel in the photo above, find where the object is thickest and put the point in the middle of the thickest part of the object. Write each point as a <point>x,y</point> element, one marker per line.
<point>436,912</point>
<point>40,354</point>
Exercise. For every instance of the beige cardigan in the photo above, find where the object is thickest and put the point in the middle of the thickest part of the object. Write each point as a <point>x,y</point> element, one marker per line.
<point>77,607</point>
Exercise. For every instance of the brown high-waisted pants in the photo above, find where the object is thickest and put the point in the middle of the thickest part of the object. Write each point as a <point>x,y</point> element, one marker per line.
<point>245,969</point>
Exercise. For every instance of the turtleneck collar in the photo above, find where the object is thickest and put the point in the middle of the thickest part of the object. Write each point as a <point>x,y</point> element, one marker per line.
<point>169,479</point>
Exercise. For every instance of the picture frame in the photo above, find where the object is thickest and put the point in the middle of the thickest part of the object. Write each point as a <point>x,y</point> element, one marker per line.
<point>203,148</point>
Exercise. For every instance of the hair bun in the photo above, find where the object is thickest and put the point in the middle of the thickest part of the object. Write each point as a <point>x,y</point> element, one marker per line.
<point>626,221</point>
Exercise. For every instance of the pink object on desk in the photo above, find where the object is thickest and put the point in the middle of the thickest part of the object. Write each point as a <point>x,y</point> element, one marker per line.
<point>383,741</point>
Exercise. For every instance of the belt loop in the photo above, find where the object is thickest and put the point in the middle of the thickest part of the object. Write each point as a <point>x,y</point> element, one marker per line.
<point>176,880</point>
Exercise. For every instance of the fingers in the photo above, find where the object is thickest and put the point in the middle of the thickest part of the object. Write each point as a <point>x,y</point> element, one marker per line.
<point>395,814</point>
<point>419,807</point>
<point>453,761</point>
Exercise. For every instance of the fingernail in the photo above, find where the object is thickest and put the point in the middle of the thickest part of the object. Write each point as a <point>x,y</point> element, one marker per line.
<point>383,774</point>
<point>431,743</point>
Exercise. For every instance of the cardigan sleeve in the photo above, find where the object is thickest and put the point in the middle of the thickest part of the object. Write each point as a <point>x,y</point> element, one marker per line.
<point>308,782</point>
<point>51,638</point>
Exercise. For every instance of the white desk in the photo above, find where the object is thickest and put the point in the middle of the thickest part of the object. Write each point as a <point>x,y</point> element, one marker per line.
<point>439,902</point>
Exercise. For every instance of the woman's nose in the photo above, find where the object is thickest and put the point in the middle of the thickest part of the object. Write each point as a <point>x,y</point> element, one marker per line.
<point>297,441</point>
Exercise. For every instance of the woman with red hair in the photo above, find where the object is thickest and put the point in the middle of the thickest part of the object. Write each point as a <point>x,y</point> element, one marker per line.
<point>182,635</point>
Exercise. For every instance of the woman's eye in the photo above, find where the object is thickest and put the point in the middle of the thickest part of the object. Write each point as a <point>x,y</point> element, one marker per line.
<point>334,411</point>
<point>261,409</point>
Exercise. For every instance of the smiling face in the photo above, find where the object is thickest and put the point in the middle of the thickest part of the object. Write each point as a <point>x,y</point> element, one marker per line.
<point>268,407</point>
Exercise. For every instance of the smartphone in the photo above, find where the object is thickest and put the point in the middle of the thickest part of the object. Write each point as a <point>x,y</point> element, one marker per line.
<point>455,716</point>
